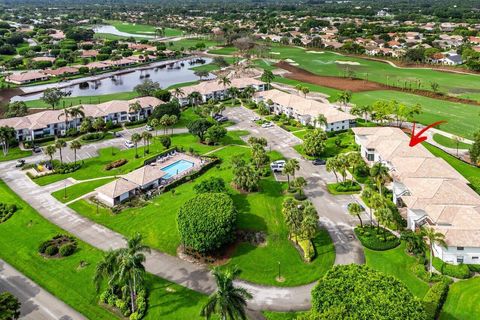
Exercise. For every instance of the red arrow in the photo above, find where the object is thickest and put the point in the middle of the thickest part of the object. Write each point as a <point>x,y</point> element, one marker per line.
<point>417,138</point>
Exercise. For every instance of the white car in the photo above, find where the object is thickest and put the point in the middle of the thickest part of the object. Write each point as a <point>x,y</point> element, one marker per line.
<point>148,127</point>
<point>255,119</point>
<point>129,144</point>
<point>277,166</point>
<point>267,125</point>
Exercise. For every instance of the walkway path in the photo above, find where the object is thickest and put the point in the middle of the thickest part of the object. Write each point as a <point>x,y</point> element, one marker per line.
<point>36,303</point>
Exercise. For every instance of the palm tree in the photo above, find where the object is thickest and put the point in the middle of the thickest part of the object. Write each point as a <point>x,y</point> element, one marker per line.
<point>354,161</point>
<point>154,123</point>
<point>379,173</point>
<point>105,269</point>
<point>146,136</point>
<point>227,301</point>
<point>65,113</point>
<point>224,81</point>
<point>248,92</point>
<point>178,92</point>
<point>75,145</point>
<point>6,135</point>
<point>136,139</point>
<point>195,97</point>
<point>77,112</point>
<point>305,91</point>
<point>320,120</point>
<point>50,151</point>
<point>135,107</point>
<point>332,166</point>
<point>233,92</point>
<point>377,202</point>
<point>300,183</point>
<point>59,144</point>
<point>164,122</point>
<point>354,209</point>
<point>290,167</point>
<point>345,98</point>
<point>172,120</point>
<point>367,193</point>
<point>267,77</point>
<point>433,237</point>
<point>384,215</point>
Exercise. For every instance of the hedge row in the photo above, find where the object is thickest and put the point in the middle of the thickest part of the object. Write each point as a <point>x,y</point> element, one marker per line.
<point>115,164</point>
<point>6,211</point>
<point>374,239</point>
<point>460,271</point>
<point>153,158</point>
<point>435,297</point>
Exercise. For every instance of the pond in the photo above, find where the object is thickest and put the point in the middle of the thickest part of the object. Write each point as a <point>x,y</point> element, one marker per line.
<point>113,30</point>
<point>166,75</point>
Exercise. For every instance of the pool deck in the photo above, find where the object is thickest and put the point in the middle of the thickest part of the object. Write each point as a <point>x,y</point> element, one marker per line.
<point>198,163</point>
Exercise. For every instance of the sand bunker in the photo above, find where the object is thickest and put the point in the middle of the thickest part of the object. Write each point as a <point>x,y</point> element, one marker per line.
<point>315,52</point>
<point>351,63</point>
<point>294,63</point>
<point>274,52</point>
<point>289,60</point>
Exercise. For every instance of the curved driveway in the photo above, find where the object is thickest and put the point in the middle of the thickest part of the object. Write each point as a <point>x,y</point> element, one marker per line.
<point>331,209</point>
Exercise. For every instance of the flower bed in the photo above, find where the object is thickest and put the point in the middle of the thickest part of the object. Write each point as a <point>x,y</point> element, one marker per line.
<point>346,187</point>
<point>59,246</point>
<point>376,239</point>
<point>116,164</point>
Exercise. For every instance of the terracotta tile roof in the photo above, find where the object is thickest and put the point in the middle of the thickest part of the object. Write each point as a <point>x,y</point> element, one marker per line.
<point>145,175</point>
<point>207,87</point>
<point>117,188</point>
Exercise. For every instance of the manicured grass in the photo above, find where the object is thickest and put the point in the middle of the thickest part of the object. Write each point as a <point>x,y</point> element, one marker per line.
<point>190,42</point>
<point>462,301</point>
<point>270,315</point>
<point>68,281</point>
<point>77,190</point>
<point>212,66</point>
<point>143,29</point>
<point>462,118</point>
<point>332,188</point>
<point>14,153</point>
<point>397,263</point>
<point>86,100</point>
<point>260,211</point>
<point>471,173</point>
<point>448,142</point>
<point>332,94</point>
<point>95,167</point>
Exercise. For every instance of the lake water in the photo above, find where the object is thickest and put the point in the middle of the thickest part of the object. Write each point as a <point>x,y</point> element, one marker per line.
<point>113,30</point>
<point>176,72</point>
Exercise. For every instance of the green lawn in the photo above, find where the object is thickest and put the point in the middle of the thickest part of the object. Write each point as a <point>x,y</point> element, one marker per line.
<point>223,51</point>
<point>190,42</point>
<point>77,190</point>
<point>397,263</point>
<point>212,66</point>
<point>142,29</point>
<point>448,142</point>
<point>332,94</point>
<point>346,144</point>
<point>270,315</point>
<point>462,301</point>
<point>65,278</point>
<point>259,211</point>
<point>14,153</point>
<point>462,118</point>
<point>86,100</point>
<point>471,173</point>
<point>95,167</point>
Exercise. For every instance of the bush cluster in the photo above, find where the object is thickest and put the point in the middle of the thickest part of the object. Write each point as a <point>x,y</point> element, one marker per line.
<point>308,249</point>
<point>112,299</point>
<point>67,167</point>
<point>435,297</point>
<point>347,187</point>
<point>115,164</point>
<point>376,239</point>
<point>461,271</point>
<point>60,245</point>
<point>474,267</point>
<point>93,136</point>
<point>207,222</point>
<point>6,211</point>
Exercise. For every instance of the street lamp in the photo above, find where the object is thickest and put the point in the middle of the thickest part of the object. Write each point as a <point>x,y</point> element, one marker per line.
<point>279,276</point>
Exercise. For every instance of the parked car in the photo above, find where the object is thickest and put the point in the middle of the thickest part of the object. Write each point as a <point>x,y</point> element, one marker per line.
<point>319,162</point>
<point>221,119</point>
<point>267,125</point>
<point>277,166</point>
<point>255,119</point>
<point>129,144</point>
<point>20,163</point>
<point>148,127</point>
<point>117,134</point>
<point>36,149</point>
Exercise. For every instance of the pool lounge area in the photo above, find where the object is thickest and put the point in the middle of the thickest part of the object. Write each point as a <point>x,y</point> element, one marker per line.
<point>163,171</point>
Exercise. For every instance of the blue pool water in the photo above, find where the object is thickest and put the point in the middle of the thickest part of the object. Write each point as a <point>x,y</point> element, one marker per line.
<point>176,168</point>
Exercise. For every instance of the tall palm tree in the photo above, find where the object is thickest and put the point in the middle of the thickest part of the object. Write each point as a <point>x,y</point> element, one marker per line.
<point>136,108</point>
<point>290,168</point>
<point>332,166</point>
<point>233,92</point>
<point>384,215</point>
<point>59,144</point>
<point>248,92</point>
<point>154,124</point>
<point>377,202</point>
<point>105,269</point>
<point>300,183</point>
<point>6,135</point>
<point>267,77</point>
<point>354,209</point>
<point>75,145</point>
<point>345,98</point>
<point>433,237</point>
<point>50,151</point>
<point>320,120</point>
<point>146,136</point>
<point>178,92</point>
<point>172,120</point>
<point>224,81</point>
<point>66,114</point>
<point>227,301</point>
<point>379,173</point>
<point>136,139</point>
<point>367,194</point>
<point>195,98</point>
<point>77,112</point>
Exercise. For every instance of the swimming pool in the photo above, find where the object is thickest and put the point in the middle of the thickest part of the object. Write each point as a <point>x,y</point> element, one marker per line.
<point>176,168</point>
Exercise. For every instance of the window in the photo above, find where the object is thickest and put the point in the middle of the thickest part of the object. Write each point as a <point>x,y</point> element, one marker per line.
<point>460,248</point>
<point>460,259</point>
<point>474,258</point>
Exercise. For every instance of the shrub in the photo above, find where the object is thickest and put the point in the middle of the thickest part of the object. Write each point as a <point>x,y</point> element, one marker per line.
<point>359,292</point>
<point>67,249</point>
<point>43,246</point>
<point>67,167</point>
<point>474,267</point>
<point>93,136</point>
<point>435,297</point>
<point>116,164</point>
<point>308,249</point>
<point>375,239</point>
<point>207,222</point>
<point>6,211</point>
<point>213,184</point>
<point>460,271</point>
<point>51,250</point>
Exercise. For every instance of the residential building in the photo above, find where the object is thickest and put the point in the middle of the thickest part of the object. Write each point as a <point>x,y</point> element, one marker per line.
<point>26,77</point>
<point>428,192</point>
<point>63,71</point>
<point>306,111</point>
<point>53,122</point>
<point>212,89</point>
